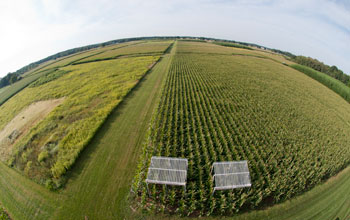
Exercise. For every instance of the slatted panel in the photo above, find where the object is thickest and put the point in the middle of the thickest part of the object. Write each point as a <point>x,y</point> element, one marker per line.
<point>169,163</point>
<point>169,177</point>
<point>230,167</point>
<point>167,170</point>
<point>231,175</point>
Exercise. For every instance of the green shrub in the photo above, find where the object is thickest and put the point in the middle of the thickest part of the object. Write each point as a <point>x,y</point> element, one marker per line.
<point>3,214</point>
<point>43,155</point>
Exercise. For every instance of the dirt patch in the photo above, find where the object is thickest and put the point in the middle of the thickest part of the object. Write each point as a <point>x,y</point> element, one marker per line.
<point>21,124</point>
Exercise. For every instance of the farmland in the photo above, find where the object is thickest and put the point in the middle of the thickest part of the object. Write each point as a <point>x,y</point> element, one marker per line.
<point>51,66</point>
<point>103,172</point>
<point>205,102</point>
<point>218,107</point>
<point>90,91</point>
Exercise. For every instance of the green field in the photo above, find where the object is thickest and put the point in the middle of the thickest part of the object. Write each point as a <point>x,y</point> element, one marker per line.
<point>201,101</point>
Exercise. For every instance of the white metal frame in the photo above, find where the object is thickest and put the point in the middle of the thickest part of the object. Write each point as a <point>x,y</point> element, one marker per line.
<point>175,168</point>
<point>231,170</point>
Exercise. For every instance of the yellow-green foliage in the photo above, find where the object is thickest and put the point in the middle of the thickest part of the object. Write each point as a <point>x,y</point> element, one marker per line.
<point>91,91</point>
<point>43,155</point>
<point>3,214</point>
<point>142,48</point>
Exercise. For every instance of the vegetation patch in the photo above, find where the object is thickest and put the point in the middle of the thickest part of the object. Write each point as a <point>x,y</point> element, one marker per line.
<point>50,76</point>
<point>91,92</point>
<point>3,214</point>
<point>292,131</point>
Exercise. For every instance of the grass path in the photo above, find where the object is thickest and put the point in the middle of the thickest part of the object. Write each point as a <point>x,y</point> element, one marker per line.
<point>23,198</point>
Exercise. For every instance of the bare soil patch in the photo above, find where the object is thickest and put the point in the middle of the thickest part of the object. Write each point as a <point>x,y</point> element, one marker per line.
<point>23,122</point>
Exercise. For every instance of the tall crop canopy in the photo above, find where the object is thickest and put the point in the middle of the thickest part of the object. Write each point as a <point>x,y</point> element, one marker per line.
<point>231,175</point>
<point>167,170</point>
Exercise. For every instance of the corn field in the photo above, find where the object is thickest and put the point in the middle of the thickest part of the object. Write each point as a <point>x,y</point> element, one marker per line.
<point>217,107</point>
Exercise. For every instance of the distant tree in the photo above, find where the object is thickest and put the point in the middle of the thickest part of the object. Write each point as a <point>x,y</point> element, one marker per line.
<point>9,79</point>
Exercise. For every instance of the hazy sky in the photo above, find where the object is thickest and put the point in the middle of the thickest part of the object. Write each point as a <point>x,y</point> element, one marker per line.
<point>34,29</point>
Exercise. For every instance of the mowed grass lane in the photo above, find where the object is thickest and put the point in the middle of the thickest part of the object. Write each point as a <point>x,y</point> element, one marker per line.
<point>100,181</point>
<point>23,198</point>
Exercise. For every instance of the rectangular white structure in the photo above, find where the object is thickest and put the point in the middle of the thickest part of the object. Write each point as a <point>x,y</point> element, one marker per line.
<point>169,163</point>
<point>231,175</point>
<point>168,171</point>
